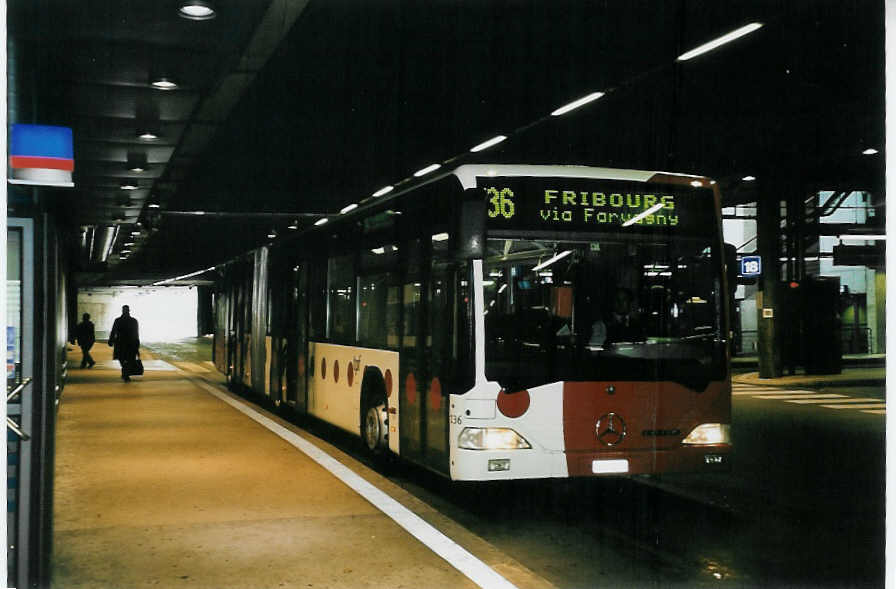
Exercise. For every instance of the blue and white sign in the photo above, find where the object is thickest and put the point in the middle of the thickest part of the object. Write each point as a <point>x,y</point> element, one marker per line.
<point>751,266</point>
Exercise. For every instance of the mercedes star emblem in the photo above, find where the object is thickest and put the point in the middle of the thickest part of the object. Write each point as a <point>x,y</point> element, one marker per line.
<point>610,429</point>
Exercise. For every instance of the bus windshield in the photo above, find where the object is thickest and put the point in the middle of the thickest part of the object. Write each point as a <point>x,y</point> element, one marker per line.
<point>633,308</point>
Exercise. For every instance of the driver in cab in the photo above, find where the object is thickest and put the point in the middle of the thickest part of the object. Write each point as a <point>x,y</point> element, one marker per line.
<point>621,325</point>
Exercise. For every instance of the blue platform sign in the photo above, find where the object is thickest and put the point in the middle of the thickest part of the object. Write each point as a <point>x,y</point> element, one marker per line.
<point>41,155</point>
<point>751,266</point>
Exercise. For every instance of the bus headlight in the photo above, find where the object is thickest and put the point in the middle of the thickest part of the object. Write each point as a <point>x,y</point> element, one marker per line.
<point>491,438</point>
<point>709,433</point>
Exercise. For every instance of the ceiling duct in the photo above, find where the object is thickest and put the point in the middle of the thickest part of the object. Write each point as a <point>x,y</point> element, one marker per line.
<point>103,240</point>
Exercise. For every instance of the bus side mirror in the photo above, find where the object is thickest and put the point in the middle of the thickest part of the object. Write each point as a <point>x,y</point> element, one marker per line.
<point>471,225</point>
<point>731,266</point>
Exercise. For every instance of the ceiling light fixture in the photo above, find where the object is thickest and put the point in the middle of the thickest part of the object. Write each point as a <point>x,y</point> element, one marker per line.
<point>147,135</point>
<point>320,222</point>
<point>348,209</point>
<point>491,142</point>
<point>576,104</point>
<point>749,178</point>
<point>294,225</point>
<point>196,10</point>
<point>707,47</point>
<point>383,190</point>
<point>154,205</point>
<point>164,83</point>
<point>129,186</point>
<point>272,234</point>
<point>869,151</point>
<point>427,170</point>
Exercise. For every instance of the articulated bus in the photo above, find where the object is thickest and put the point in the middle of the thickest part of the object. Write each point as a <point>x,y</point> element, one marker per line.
<point>501,322</point>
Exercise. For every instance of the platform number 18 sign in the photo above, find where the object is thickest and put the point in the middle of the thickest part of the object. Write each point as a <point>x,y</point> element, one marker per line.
<point>751,266</point>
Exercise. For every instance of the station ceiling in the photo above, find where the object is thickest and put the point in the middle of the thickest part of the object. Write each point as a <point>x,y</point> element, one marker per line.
<point>287,109</point>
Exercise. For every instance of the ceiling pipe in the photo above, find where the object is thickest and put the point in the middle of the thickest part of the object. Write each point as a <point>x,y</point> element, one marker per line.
<point>104,240</point>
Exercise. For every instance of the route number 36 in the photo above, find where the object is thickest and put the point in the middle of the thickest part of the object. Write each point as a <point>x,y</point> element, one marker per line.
<point>501,203</point>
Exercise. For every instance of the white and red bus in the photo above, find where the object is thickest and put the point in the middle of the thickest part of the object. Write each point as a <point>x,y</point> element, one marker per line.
<point>501,322</point>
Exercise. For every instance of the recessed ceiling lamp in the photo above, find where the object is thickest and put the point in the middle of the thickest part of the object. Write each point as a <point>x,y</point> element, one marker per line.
<point>164,83</point>
<point>147,135</point>
<point>294,225</point>
<point>272,234</point>
<point>749,178</point>
<point>869,151</point>
<point>153,205</point>
<point>196,10</point>
<point>137,162</point>
<point>129,186</point>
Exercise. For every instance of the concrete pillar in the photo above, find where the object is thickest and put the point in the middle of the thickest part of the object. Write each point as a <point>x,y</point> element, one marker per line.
<point>768,228</point>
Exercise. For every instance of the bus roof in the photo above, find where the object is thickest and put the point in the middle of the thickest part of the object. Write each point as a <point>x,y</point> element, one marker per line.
<point>467,174</point>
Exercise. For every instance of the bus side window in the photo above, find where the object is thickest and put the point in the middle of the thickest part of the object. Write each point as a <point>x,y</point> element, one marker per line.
<point>373,310</point>
<point>341,284</point>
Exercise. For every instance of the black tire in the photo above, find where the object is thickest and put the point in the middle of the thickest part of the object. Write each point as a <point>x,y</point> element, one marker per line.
<point>375,427</point>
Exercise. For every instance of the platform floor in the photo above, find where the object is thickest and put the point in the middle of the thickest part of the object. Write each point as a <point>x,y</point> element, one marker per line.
<point>161,484</point>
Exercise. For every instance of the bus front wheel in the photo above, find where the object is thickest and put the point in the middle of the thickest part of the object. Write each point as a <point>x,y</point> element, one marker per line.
<point>376,428</point>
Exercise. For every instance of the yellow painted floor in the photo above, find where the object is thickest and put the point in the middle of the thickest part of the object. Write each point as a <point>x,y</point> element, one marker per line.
<point>159,484</point>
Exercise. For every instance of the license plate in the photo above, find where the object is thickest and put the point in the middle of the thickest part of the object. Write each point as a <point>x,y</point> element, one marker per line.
<point>609,466</point>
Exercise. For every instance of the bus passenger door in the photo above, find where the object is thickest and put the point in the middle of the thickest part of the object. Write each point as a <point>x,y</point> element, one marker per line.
<point>298,343</point>
<point>412,367</point>
<point>438,354</point>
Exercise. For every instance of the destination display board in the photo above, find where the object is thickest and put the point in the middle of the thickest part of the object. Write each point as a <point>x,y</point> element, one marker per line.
<point>587,204</point>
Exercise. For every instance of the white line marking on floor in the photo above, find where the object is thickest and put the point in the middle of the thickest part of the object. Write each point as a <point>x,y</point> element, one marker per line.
<point>826,396</point>
<point>875,411</point>
<point>819,401</point>
<point>778,393</point>
<point>473,568</point>
<point>859,406</point>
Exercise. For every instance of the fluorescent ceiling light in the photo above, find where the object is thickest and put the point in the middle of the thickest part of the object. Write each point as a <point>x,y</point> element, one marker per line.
<point>383,190</point>
<point>135,233</point>
<point>321,221</point>
<point>574,105</point>
<point>147,136</point>
<point>869,151</point>
<point>379,250</point>
<point>696,183</point>
<point>862,237</point>
<point>640,216</point>
<point>748,178</point>
<point>440,237</point>
<point>128,186</point>
<point>164,84</point>
<point>349,208</point>
<point>272,234</point>
<point>294,224</point>
<point>427,170</point>
<point>154,205</point>
<point>485,145</point>
<point>196,10</point>
<point>706,47</point>
<point>559,256</point>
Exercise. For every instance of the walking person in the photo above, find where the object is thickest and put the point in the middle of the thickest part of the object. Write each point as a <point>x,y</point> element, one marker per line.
<point>125,341</point>
<point>85,336</point>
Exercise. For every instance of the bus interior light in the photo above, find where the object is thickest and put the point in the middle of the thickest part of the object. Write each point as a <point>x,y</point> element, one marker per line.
<point>349,208</point>
<point>559,256</point>
<point>709,433</point>
<point>382,191</point>
<point>320,222</point>
<point>440,237</point>
<point>491,438</point>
